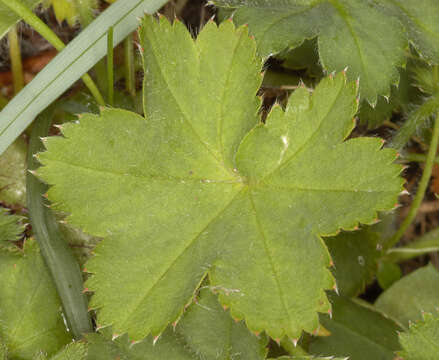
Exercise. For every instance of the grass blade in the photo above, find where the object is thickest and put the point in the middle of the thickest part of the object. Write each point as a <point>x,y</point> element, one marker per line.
<point>77,58</point>
<point>63,267</point>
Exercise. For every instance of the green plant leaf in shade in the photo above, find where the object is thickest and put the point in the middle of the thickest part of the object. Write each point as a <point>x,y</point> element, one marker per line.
<point>10,227</point>
<point>73,351</point>
<point>421,342</point>
<point>8,18</point>
<point>388,273</point>
<point>351,33</point>
<point>307,358</point>
<point>420,21</point>
<point>30,315</point>
<point>415,293</point>
<point>400,98</point>
<point>199,194</point>
<point>206,332</point>
<point>80,55</point>
<point>355,257</point>
<point>357,331</point>
<point>13,174</point>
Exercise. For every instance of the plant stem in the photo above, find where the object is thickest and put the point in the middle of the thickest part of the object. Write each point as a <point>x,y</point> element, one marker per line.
<point>63,267</point>
<point>417,158</point>
<point>424,245</point>
<point>130,79</point>
<point>110,74</point>
<point>30,18</point>
<point>16,65</point>
<point>422,186</point>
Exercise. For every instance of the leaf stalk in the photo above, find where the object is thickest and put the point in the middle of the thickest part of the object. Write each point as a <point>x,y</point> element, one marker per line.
<point>422,186</point>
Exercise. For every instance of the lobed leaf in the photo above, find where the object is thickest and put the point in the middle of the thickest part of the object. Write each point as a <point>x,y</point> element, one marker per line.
<point>421,342</point>
<point>200,193</point>
<point>80,55</point>
<point>30,316</point>
<point>206,332</point>
<point>420,21</point>
<point>10,228</point>
<point>351,34</point>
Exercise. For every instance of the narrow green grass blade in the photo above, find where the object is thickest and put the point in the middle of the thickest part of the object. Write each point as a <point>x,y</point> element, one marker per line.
<point>76,59</point>
<point>62,266</point>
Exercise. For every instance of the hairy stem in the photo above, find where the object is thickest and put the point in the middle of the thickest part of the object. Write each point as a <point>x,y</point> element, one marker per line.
<point>417,158</point>
<point>424,245</point>
<point>30,18</point>
<point>63,267</point>
<point>422,185</point>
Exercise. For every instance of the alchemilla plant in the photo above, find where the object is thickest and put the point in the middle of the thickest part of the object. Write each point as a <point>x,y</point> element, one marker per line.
<point>218,232</point>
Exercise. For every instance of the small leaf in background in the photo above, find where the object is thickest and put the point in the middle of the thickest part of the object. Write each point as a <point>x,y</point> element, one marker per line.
<point>245,209</point>
<point>10,227</point>
<point>13,174</point>
<point>421,342</point>
<point>413,294</point>
<point>357,331</point>
<point>388,273</point>
<point>351,33</point>
<point>71,10</point>
<point>355,257</point>
<point>30,311</point>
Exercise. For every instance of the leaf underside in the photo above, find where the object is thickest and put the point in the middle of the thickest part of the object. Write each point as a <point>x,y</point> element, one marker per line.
<point>198,187</point>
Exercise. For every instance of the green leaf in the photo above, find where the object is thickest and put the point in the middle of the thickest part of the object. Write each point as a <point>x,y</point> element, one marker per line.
<point>10,227</point>
<point>197,195</point>
<point>406,299</point>
<point>73,351</point>
<point>351,33</point>
<point>210,332</point>
<point>355,257</point>
<point>388,273</point>
<point>307,358</point>
<point>421,342</point>
<point>9,19</point>
<point>206,332</point>
<point>13,174</point>
<point>30,315</point>
<point>420,21</point>
<point>357,331</point>
<point>80,55</point>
